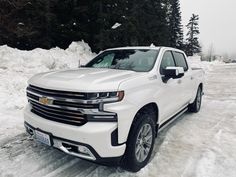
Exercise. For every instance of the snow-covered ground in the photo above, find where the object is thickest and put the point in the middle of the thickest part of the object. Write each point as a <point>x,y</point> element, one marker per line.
<point>201,145</point>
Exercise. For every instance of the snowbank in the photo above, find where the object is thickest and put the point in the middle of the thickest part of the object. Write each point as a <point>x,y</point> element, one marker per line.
<point>17,66</point>
<point>195,62</point>
<point>55,58</point>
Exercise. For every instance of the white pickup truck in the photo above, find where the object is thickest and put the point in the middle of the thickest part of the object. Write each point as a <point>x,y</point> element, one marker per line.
<point>110,110</point>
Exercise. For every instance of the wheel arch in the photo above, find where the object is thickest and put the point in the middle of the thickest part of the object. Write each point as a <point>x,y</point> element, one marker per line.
<point>194,93</point>
<point>152,106</point>
<point>201,86</point>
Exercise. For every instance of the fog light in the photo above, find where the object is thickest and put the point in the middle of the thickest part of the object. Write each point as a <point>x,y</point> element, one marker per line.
<point>84,150</point>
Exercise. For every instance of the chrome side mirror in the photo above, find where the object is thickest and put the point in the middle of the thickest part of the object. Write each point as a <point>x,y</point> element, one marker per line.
<point>173,72</point>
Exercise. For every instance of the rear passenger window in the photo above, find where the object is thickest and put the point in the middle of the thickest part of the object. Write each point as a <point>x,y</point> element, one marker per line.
<point>167,61</point>
<point>180,60</point>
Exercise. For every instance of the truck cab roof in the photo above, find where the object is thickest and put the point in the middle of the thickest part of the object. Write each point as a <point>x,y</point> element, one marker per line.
<point>144,48</point>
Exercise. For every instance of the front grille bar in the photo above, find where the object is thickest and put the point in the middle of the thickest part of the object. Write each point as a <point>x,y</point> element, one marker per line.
<point>63,111</point>
<point>47,92</point>
<point>57,98</point>
<point>64,103</point>
<point>55,106</point>
<point>57,115</point>
<point>56,118</point>
<point>79,117</point>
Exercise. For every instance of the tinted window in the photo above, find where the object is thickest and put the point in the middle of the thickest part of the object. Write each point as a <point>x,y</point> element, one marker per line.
<point>167,60</point>
<point>134,60</point>
<point>105,61</point>
<point>180,60</point>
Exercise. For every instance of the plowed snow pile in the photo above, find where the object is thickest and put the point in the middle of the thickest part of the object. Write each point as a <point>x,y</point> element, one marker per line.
<point>17,66</point>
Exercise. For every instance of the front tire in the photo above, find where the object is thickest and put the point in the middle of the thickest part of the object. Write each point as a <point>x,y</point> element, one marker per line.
<point>196,105</point>
<point>140,142</point>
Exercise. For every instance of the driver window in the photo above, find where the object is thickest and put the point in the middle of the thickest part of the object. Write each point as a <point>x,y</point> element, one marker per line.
<point>104,62</point>
<point>167,61</point>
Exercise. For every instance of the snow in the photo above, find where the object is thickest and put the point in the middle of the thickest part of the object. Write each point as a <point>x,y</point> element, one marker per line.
<point>201,145</point>
<point>195,62</point>
<point>20,23</point>
<point>17,66</point>
<point>116,25</point>
<point>152,45</point>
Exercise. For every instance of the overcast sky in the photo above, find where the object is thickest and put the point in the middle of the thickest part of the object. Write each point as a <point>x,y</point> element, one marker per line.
<point>217,23</point>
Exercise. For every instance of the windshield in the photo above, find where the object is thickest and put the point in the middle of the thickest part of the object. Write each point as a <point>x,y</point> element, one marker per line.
<point>130,59</point>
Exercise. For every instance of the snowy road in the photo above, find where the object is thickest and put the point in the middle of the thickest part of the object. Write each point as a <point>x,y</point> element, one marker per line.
<point>196,145</point>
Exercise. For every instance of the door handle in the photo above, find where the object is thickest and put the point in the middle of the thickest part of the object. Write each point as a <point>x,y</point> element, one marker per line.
<point>192,77</point>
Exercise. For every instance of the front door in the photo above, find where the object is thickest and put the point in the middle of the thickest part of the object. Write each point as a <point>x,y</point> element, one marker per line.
<point>170,99</point>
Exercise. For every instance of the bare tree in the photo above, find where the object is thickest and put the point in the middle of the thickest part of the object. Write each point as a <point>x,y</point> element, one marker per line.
<point>210,55</point>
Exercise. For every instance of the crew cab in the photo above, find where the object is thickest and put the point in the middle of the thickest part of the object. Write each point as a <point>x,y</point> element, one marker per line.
<point>110,110</point>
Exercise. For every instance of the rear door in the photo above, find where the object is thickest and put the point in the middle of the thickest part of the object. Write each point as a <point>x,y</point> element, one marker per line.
<point>186,80</point>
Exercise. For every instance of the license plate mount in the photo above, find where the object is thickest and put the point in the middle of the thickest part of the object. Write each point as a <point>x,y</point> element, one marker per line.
<point>43,137</point>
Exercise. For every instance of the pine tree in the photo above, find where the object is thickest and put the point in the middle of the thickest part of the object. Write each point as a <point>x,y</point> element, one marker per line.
<point>174,23</point>
<point>106,17</point>
<point>155,26</point>
<point>192,43</point>
<point>120,13</point>
<point>143,23</point>
<point>65,25</point>
<point>26,24</point>
<point>94,19</point>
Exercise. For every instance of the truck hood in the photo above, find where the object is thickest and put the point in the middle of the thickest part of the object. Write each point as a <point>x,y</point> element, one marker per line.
<point>83,79</point>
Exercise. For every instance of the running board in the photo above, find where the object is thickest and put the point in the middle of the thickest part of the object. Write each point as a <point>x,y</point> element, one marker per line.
<point>169,121</point>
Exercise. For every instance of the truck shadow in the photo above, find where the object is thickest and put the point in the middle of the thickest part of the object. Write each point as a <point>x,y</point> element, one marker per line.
<point>161,137</point>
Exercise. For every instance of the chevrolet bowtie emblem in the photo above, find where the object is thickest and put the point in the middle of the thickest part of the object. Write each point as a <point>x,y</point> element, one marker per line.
<point>45,101</point>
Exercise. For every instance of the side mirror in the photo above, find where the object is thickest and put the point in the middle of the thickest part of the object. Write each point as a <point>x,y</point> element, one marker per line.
<point>173,72</point>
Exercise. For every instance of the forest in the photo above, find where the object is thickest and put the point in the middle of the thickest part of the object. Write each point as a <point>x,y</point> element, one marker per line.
<point>29,24</point>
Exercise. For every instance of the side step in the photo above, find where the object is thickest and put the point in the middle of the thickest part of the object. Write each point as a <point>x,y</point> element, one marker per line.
<point>170,120</point>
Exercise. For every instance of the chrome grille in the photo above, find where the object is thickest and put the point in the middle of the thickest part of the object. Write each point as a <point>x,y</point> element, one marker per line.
<point>56,93</point>
<point>66,107</point>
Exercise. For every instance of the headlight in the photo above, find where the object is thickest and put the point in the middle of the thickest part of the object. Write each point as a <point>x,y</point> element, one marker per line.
<point>106,96</point>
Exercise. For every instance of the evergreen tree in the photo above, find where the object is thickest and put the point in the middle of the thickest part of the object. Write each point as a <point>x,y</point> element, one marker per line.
<point>106,17</point>
<point>192,43</point>
<point>153,24</point>
<point>65,26</point>
<point>175,25</point>
<point>27,24</point>
<point>120,13</point>
<point>142,23</point>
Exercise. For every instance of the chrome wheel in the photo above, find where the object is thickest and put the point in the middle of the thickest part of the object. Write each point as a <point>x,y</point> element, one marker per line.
<point>143,142</point>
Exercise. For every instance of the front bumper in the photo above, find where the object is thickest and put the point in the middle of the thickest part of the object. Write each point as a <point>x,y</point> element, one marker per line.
<point>96,137</point>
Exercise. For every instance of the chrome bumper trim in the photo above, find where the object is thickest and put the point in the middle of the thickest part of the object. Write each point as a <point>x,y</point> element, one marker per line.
<point>88,155</point>
<point>82,151</point>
